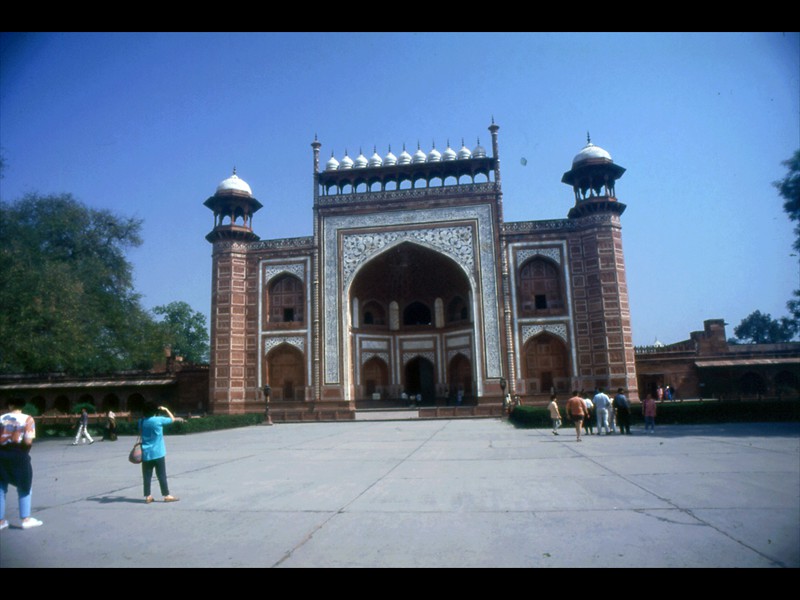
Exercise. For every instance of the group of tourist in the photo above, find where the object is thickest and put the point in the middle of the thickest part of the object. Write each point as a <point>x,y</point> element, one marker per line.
<point>18,430</point>
<point>608,413</point>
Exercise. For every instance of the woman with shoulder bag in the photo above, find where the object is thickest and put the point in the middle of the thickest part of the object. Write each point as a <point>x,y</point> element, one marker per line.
<point>154,452</point>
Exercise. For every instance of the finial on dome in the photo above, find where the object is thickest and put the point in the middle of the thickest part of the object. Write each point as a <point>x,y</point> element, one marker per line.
<point>588,139</point>
<point>234,169</point>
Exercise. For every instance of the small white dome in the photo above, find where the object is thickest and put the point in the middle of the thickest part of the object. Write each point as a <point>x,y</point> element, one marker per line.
<point>419,156</point>
<point>449,153</point>
<point>589,152</point>
<point>361,161</point>
<point>434,155</point>
<point>404,158</point>
<point>479,151</point>
<point>332,164</point>
<point>390,158</point>
<point>347,162</point>
<point>234,184</point>
<point>375,160</point>
<point>465,152</point>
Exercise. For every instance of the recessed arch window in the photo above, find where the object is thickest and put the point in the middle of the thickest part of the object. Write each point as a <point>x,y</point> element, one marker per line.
<point>286,300</point>
<point>457,310</point>
<point>546,359</point>
<point>417,313</point>
<point>373,313</point>
<point>375,376</point>
<point>285,373</point>
<point>540,287</point>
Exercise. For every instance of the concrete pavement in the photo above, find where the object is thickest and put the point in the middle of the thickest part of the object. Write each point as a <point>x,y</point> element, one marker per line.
<point>422,493</point>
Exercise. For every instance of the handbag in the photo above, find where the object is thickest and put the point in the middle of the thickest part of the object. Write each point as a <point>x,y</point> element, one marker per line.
<point>135,456</point>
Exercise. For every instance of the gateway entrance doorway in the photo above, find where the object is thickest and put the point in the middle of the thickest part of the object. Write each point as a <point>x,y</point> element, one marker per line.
<point>420,379</point>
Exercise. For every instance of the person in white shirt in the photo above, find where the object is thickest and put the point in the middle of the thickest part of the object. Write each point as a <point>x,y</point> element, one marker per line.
<point>17,432</point>
<point>602,404</point>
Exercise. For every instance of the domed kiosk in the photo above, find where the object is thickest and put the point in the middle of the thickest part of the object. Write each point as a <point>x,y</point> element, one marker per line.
<point>233,205</point>
<point>593,177</point>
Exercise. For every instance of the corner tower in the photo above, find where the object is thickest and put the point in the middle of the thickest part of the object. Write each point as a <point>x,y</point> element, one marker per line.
<point>605,354</point>
<point>233,280</point>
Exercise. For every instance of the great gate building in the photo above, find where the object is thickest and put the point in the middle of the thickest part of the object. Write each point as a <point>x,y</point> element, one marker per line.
<point>413,286</point>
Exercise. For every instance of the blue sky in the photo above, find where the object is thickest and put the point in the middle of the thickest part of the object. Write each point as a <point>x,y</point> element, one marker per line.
<point>147,124</point>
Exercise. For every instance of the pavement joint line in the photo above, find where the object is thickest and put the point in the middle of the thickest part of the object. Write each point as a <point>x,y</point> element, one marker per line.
<point>687,511</point>
<point>343,509</point>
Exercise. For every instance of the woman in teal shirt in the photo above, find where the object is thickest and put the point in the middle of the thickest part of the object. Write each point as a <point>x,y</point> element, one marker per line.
<point>154,452</point>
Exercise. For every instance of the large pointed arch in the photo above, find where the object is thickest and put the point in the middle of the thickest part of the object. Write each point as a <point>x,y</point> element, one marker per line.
<point>415,282</point>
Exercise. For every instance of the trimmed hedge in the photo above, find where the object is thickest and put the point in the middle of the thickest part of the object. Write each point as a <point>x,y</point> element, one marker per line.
<point>682,413</point>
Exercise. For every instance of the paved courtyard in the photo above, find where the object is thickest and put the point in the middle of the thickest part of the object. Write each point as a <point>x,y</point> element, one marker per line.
<point>438,493</point>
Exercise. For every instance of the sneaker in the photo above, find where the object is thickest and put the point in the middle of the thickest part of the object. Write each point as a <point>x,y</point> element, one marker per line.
<point>30,522</point>
<point>170,499</point>
<point>3,525</point>
<point>92,442</point>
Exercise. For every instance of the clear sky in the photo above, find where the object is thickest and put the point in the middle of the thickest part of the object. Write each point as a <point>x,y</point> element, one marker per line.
<point>147,125</point>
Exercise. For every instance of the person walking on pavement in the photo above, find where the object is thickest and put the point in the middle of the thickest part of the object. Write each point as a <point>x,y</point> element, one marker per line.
<point>612,416</point>
<point>602,403</point>
<point>576,409</point>
<point>623,409</point>
<point>83,431</point>
<point>588,426</point>
<point>555,415</point>
<point>649,412</point>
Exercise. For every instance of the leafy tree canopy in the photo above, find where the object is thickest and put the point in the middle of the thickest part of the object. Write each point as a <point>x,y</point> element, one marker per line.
<point>758,328</point>
<point>66,289</point>
<point>184,331</point>
<point>789,189</point>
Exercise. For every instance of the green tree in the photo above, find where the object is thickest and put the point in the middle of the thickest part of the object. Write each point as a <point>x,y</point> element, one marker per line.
<point>66,289</point>
<point>789,189</point>
<point>185,331</point>
<point>758,328</point>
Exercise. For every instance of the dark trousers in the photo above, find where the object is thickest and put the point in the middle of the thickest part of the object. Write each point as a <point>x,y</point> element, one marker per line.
<point>624,420</point>
<point>16,469</point>
<point>160,465</point>
<point>587,423</point>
